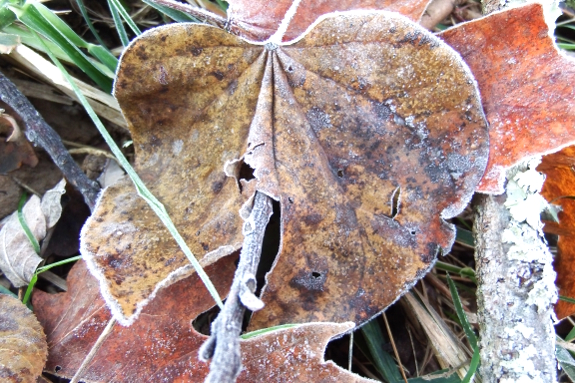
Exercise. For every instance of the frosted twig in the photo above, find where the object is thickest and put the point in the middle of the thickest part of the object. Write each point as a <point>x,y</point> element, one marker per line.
<point>40,133</point>
<point>223,346</point>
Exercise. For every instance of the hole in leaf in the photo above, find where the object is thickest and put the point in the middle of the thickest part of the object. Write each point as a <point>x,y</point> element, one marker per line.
<point>340,173</point>
<point>289,69</point>
<point>315,274</point>
<point>395,202</point>
<point>58,368</point>
<point>203,322</point>
<point>412,232</point>
<point>246,172</point>
<point>290,199</point>
<point>270,249</point>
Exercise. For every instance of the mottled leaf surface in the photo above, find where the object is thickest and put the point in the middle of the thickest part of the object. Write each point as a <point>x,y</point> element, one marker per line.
<point>368,131</point>
<point>258,20</point>
<point>560,182</point>
<point>162,346</point>
<point>526,86</point>
<point>23,348</point>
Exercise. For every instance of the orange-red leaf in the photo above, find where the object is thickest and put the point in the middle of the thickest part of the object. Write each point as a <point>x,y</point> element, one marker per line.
<point>258,20</point>
<point>368,132</point>
<point>560,182</point>
<point>526,86</point>
<point>162,346</point>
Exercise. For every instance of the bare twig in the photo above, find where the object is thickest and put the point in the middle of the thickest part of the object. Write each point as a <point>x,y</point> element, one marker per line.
<point>395,352</point>
<point>41,134</point>
<point>88,359</point>
<point>223,347</point>
<point>198,13</point>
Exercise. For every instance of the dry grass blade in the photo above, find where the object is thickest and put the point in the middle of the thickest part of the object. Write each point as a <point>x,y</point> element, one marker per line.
<point>103,103</point>
<point>449,351</point>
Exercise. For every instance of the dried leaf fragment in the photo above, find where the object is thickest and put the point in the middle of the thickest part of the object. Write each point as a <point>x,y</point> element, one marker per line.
<point>23,348</point>
<point>18,260</point>
<point>560,182</point>
<point>15,150</point>
<point>162,345</point>
<point>369,131</point>
<point>526,85</point>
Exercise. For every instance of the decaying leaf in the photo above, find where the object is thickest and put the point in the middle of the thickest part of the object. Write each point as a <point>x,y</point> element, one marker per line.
<point>368,131</point>
<point>23,348</point>
<point>18,259</point>
<point>15,150</point>
<point>526,86</point>
<point>258,20</point>
<point>560,182</point>
<point>162,345</point>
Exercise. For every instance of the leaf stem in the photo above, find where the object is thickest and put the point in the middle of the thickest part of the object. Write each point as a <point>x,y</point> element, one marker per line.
<point>223,347</point>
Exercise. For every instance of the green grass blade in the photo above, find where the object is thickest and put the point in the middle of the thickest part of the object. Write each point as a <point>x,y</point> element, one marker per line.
<point>105,57</point>
<point>27,38</point>
<point>473,366</point>
<point>25,227</point>
<point>566,46</point>
<point>34,20</point>
<point>119,24</point>
<point>126,17</point>
<point>566,299</point>
<point>179,16</point>
<point>566,361</point>
<point>471,337</point>
<point>7,17</point>
<point>34,279</point>
<point>143,191</point>
<point>266,330</point>
<point>222,4</point>
<point>464,236</point>
<point>86,17</point>
<point>383,362</point>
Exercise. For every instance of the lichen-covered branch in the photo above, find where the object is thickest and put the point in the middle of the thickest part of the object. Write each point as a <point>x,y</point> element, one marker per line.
<point>223,347</point>
<point>516,289</point>
<point>40,133</point>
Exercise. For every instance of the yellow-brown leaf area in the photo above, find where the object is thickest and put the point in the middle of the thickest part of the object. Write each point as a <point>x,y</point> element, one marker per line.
<point>560,182</point>
<point>23,348</point>
<point>365,109</point>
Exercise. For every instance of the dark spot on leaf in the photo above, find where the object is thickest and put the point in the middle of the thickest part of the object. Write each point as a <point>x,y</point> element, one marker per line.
<point>217,186</point>
<point>313,281</point>
<point>340,173</point>
<point>218,75</point>
<point>205,246</point>
<point>196,51</point>
<point>290,199</point>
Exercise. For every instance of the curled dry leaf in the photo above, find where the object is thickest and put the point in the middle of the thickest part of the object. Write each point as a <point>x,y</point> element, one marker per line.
<point>23,348</point>
<point>163,346</point>
<point>18,259</point>
<point>560,182</point>
<point>526,85</point>
<point>368,131</point>
<point>15,150</point>
<point>258,20</point>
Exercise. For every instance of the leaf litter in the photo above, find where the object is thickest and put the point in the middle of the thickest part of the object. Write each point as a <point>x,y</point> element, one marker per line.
<point>162,344</point>
<point>18,258</point>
